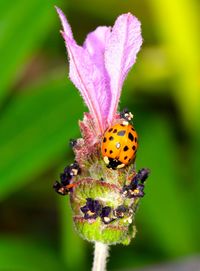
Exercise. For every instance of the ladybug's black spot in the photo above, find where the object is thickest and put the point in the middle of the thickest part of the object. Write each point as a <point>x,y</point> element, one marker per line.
<point>129,160</point>
<point>133,148</point>
<point>111,151</point>
<point>105,150</point>
<point>111,138</point>
<point>121,133</point>
<point>135,139</point>
<point>130,136</point>
<point>125,157</point>
<point>104,140</point>
<point>126,148</point>
<point>110,130</point>
<point>115,131</point>
<point>122,125</point>
<point>132,129</point>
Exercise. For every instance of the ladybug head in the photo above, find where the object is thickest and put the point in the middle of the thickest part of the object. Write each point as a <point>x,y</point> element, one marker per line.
<point>114,163</point>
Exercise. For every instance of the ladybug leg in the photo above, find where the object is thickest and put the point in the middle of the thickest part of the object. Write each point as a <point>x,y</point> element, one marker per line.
<point>121,166</point>
<point>106,160</point>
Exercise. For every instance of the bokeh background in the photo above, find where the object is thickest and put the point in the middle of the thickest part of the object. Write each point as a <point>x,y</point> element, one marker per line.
<point>39,112</point>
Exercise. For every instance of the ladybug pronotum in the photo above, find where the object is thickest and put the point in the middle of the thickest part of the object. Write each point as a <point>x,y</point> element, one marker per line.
<point>119,145</point>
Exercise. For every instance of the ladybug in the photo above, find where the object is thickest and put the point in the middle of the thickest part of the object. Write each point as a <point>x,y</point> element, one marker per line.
<point>119,145</point>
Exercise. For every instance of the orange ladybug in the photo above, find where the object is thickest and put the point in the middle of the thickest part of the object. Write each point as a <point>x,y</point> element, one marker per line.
<point>119,145</point>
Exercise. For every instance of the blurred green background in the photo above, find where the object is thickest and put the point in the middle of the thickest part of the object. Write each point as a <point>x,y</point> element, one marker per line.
<point>39,112</point>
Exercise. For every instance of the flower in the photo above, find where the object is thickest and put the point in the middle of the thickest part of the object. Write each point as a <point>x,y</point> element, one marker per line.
<point>99,67</point>
<point>103,198</point>
<point>91,209</point>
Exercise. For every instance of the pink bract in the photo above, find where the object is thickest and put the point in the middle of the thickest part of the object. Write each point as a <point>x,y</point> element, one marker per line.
<point>99,67</point>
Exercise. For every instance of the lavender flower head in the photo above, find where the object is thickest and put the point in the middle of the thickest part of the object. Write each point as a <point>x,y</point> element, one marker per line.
<point>103,200</point>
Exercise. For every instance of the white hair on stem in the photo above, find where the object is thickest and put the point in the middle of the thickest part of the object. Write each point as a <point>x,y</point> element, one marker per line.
<point>100,257</point>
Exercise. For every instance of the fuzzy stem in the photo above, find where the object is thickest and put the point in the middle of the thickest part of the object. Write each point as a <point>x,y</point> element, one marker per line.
<point>100,256</point>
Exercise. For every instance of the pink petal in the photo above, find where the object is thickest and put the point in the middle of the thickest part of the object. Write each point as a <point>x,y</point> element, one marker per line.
<point>120,55</point>
<point>85,76</point>
<point>65,24</point>
<point>87,79</point>
<point>95,45</point>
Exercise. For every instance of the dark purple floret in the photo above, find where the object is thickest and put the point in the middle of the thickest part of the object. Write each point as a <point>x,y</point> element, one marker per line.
<point>75,169</point>
<point>131,187</point>
<point>93,205</point>
<point>105,211</point>
<point>72,142</point>
<point>139,191</point>
<point>84,209</point>
<point>105,215</point>
<point>143,174</point>
<point>69,173</point>
<point>124,112</point>
<point>60,189</point>
<point>134,183</point>
<point>136,187</point>
<point>56,185</point>
<point>65,179</point>
<point>92,208</point>
<point>120,211</point>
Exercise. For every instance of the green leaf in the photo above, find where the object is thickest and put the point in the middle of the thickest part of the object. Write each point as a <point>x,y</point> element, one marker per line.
<point>70,239</point>
<point>21,254</point>
<point>166,208</point>
<point>193,177</point>
<point>34,130</point>
<point>24,25</point>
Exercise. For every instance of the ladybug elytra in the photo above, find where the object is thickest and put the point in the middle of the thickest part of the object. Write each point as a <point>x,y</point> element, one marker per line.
<point>119,145</point>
